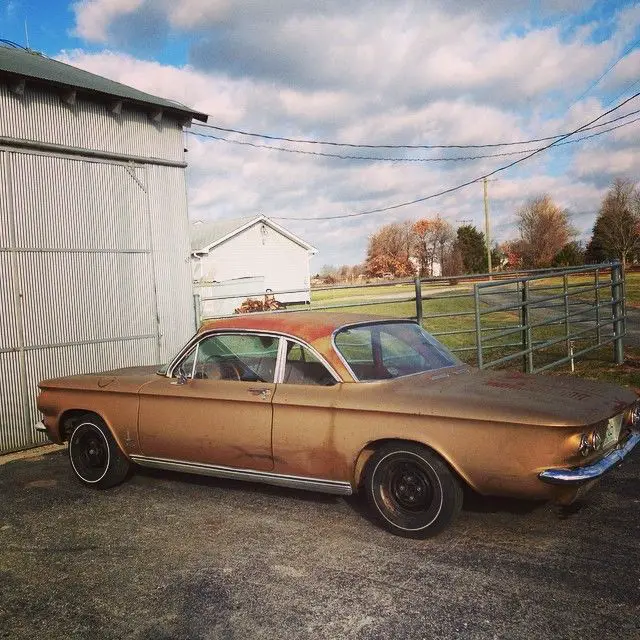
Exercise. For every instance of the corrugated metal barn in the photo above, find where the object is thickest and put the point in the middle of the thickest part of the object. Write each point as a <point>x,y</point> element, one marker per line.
<point>94,233</point>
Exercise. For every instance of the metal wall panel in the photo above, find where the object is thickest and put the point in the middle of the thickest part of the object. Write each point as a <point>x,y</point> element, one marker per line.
<point>39,115</point>
<point>101,259</point>
<point>74,204</point>
<point>93,253</point>
<point>8,324</point>
<point>5,238</point>
<point>13,434</point>
<point>171,251</point>
<point>77,297</point>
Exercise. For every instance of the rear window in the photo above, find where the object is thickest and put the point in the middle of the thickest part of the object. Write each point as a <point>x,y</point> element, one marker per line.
<point>381,351</point>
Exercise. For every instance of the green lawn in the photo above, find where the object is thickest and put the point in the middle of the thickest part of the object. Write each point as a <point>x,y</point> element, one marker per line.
<point>632,289</point>
<point>458,331</point>
<point>328,295</point>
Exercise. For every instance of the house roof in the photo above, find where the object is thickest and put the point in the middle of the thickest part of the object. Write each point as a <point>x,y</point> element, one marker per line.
<point>207,235</point>
<point>20,63</point>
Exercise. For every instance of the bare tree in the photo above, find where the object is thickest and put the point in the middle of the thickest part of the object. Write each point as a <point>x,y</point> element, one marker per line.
<point>433,236</point>
<point>389,250</point>
<point>544,230</point>
<point>453,262</point>
<point>617,227</point>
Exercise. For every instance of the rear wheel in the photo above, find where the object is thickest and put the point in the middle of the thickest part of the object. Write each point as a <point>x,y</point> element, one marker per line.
<point>94,455</point>
<point>411,490</point>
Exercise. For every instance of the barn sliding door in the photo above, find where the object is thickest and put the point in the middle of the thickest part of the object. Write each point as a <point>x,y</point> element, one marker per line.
<point>78,289</point>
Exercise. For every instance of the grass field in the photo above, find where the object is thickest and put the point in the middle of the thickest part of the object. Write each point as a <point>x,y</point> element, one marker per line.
<point>450,315</point>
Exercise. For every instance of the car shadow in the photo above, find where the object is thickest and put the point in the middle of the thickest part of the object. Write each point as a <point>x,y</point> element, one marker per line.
<point>238,485</point>
<point>473,502</point>
<point>476,503</point>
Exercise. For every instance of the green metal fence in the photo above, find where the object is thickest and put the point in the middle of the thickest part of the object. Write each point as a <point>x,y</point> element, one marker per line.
<point>539,319</point>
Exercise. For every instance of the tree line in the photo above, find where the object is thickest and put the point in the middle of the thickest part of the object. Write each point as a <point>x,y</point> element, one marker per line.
<point>546,238</point>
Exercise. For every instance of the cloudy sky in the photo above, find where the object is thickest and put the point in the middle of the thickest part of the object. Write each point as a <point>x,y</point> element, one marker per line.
<point>386,72</point>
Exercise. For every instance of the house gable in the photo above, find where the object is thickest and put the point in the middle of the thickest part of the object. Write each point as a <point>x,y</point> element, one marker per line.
<point>210,235</point>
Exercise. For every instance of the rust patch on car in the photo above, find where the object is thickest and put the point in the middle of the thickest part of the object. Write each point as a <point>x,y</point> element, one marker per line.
<point>521,385</point>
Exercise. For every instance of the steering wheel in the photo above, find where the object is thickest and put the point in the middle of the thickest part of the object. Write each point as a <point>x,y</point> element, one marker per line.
<point>230,371</point>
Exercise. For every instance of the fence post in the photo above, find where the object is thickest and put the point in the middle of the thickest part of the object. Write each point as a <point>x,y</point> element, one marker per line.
<point>527,359</point>
<point>598,332</point>
<point>567,328</point>
<point>617,311</point>
<point>197,310</point>
<point>418,286</point>
<point>476,297</point>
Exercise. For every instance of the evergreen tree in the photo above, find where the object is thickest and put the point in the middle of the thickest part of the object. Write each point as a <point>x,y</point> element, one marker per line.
<point>472,247</point>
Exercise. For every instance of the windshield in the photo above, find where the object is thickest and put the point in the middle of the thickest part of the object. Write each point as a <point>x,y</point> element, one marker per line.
<point>391,349</point>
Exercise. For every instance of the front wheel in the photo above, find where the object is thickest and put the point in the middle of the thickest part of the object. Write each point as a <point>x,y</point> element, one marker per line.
<point>411,490</point>
<point>95,456</point>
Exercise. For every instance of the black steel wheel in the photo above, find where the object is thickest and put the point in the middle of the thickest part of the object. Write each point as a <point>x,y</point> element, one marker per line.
<point>411,490</point>
<point>94,454</point>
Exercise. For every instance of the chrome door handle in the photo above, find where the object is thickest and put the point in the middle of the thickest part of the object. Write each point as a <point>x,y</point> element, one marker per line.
<point>263,393</point>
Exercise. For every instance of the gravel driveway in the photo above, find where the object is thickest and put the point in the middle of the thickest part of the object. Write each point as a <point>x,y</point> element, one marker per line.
<point>167,556</point>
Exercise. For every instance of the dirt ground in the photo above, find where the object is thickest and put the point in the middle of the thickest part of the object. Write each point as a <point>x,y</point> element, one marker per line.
<point>168,556</point>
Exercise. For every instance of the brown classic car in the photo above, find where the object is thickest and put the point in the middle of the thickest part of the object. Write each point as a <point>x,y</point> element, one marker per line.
<point>344,403</point>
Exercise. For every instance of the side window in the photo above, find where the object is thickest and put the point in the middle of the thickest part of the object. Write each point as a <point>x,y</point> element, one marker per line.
<point>302,367</point>
<point>355,345</point>
<point>240,357</point>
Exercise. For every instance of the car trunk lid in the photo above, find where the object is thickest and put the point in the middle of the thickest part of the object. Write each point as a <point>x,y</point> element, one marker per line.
<point>505,396</point>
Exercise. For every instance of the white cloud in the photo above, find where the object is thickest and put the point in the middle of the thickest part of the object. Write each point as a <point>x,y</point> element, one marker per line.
<point>383,72</point>
<point>94,17</point>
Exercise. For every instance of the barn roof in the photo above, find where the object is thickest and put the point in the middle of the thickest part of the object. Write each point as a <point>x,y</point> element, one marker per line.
<point>17,63</point>
<point>207,235</point>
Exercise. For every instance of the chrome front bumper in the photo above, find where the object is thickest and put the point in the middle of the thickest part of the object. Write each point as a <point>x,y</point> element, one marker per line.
<point>580,475</point>
<point>39,427</point>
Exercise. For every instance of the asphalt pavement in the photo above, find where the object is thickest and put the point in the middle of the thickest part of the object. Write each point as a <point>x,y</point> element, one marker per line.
<point>169,556</point>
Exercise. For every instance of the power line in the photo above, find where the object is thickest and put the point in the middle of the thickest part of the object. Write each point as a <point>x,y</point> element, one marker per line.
<point>469,182</point>
<point>629,87</point>
<point>392,146</point>
<point>625,53</point>
<point>399,160</point>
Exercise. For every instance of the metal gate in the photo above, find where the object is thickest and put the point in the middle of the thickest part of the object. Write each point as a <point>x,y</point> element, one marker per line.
<point>78,288</point>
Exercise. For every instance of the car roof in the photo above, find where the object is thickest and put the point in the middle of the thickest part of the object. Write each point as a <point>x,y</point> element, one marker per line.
<point>310,326</point>
<point>313,327</point>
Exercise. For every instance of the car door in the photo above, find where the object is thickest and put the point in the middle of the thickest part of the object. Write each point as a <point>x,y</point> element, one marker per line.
<point>217,407</point>
<point>305,442</point>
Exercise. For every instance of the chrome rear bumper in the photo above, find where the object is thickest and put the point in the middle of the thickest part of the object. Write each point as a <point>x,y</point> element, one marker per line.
<point>580,475</point>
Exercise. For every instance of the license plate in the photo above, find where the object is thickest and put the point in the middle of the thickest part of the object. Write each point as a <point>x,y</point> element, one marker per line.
<point>613,430</point>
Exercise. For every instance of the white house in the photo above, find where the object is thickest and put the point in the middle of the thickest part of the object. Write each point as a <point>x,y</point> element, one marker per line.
<point>236,259</point>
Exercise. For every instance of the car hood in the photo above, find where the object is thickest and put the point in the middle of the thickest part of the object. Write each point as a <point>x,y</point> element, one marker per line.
<point>503,396</point>
<point>129,379</point>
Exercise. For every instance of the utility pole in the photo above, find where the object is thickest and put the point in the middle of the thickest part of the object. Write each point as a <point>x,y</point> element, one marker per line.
<point>487,225</point>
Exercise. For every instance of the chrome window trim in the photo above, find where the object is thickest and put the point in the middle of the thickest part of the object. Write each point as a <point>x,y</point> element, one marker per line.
<point>198,337</point>
<point>195,359</point>
<point>278,375</point>
<point>377,322</point>
<point>337,487</point>
<point>315,352</point>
